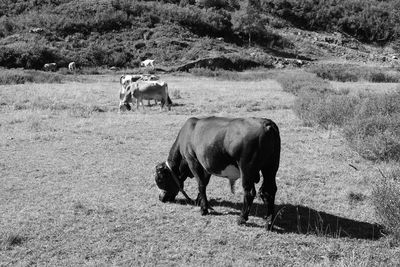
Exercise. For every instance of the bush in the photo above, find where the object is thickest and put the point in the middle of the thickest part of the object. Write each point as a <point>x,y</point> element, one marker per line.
<point>325,110</point>
<point>375,138</point>
<point>386,199</point>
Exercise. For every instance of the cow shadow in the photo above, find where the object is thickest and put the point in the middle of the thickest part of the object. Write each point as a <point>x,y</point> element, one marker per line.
<point>303,220</point>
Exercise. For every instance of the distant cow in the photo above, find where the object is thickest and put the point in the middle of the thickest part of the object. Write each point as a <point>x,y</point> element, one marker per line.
<point>125,80</point>
<point>227,147</point>
<point>140,90</point>
<point>147,63</point>
<point>72,66</point>
<point>50,67</point>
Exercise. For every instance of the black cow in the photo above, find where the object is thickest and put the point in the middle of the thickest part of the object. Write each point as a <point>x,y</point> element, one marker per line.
<point>227,147</point>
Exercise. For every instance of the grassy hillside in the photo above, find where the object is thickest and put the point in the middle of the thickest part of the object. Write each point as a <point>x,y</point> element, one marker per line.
<point>122,32</point>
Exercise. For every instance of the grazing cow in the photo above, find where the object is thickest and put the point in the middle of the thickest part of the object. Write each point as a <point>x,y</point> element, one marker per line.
<point>50,67</point>
<point>147,63</point>
<point>227,147</point>
<point>140,90</point>
<point>125,80</point>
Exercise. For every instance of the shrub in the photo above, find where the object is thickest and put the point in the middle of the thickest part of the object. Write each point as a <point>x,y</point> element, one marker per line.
<point>386,200</point>
<point>379,104</point>
<point>375,138</point>
<point>325,110</point>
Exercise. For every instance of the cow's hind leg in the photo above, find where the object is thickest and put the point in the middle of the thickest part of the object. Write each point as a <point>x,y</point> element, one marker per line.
<point>248,179</point>
<point>267,193</point>
<point>249,194</point>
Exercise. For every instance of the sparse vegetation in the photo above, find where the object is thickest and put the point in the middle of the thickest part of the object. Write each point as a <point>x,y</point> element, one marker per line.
<point>19,76</point>
<point>354,73</point>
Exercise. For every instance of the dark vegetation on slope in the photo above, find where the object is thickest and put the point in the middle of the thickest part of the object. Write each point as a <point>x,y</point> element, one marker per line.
<point>124,32</point>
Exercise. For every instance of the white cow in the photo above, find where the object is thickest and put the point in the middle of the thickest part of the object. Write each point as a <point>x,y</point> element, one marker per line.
<point>147,63</point>
<point>72,66</point>
<point>125,80</point>
<point>50,67</point>
<point>140,90</point>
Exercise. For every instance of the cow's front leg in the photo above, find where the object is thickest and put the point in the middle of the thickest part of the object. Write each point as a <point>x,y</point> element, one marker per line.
<point>203,197</point>
<point>162,103</point>
<point>249,194</point>
<point>202,178</point>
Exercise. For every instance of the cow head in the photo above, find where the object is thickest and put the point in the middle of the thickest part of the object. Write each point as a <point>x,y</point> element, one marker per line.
<point>165,182</point>
<point>125,97</point>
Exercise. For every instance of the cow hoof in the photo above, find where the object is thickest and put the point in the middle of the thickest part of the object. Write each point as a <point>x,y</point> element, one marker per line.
<point>241,220</point>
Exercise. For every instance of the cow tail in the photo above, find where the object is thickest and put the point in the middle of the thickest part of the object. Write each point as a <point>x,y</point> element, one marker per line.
<point>270,125</point>
<point>273,138</point>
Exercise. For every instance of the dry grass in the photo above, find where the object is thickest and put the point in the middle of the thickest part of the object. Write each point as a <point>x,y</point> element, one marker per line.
<point>78,186</point>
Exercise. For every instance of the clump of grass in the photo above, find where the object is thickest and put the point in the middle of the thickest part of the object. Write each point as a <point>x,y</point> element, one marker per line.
<point>386,199</point>
<point>356,197</point>
<point>20,76</point>
<point>83,111</point>
<point>176,94</point>
<point>8,240</point>
<point>35,124</point>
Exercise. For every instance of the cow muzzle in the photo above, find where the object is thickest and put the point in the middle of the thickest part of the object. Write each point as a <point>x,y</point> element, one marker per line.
<point>164,196</point>
<point>124,107</point>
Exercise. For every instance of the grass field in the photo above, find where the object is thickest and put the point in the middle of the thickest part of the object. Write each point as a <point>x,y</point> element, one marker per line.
<point>77,184</point>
